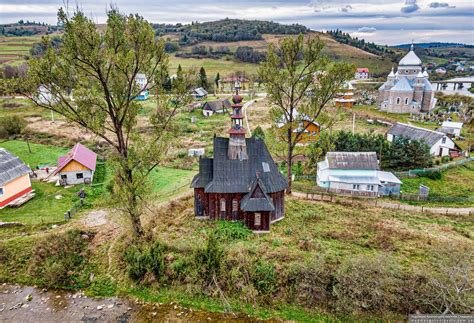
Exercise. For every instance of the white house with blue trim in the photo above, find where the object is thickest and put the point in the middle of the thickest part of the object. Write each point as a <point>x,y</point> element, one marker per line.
<point>355,173</point>
<point>142,82</point>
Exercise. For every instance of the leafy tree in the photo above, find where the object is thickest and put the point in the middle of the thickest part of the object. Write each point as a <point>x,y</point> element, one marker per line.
<point>217,80</point>
<point>100,69</point>
<point>300,82</point>
<point>258,133</point>
<point>407,154</point>
<point>11,125</point>
<point>203,78</point>
<point>317,152</point>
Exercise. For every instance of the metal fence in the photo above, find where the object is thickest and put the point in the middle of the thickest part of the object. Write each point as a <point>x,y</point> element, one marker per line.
<point>420,171</point>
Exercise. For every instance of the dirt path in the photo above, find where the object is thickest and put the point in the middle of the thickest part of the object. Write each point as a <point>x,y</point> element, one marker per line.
<point>386,205</point>
<point>244,108</point>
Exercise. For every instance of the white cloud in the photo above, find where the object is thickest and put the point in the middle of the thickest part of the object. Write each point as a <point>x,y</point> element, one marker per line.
<point>367,30</point>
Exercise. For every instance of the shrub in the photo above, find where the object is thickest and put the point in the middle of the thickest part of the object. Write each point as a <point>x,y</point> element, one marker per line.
<point>431,174</point>
<point>148,260</point>
<point>228,231</point>
<point>12,125</point>
<point>264,277</point>
<point>57,260</point>
<point>209,259</point>
<point>445,159</point>
<point>367,284</point>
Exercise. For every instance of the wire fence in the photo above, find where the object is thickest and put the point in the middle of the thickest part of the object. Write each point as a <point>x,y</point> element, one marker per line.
<point>440,168</point>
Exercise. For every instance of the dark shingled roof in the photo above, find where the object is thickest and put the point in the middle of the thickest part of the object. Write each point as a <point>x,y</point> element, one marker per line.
<point>237,176</point>
<point>255,204</point>
<point>11,167</point>
<point>217,105</point>
<point>352,160</point>
<point>430,137</point>
<point>205,173</point>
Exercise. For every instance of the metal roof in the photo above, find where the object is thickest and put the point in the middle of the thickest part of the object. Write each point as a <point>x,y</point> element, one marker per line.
<point>450,124</point>
<point>217,105</point>
<point>237,176</point>
<point>250,203</point>
<point>388,177</point>
<point>81,154</point>
<point>430,137</point>
<point>410,59</point>
<point>402,85</point>
<point>11,167</point>
<point>352,160</point>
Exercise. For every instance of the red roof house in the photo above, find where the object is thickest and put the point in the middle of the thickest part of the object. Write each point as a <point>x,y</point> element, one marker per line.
<point>77,166</point>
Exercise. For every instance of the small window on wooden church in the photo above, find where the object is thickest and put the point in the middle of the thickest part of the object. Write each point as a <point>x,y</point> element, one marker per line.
<point>235,205</point>
<point>258,219</point>
<point>222,205</point>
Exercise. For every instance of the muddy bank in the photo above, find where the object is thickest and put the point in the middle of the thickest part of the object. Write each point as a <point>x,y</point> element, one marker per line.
<point>30,304</point>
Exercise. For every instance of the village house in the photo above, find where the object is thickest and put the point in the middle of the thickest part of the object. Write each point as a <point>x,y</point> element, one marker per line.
<point>345,96</point>
<point>452,129</point>
<point>216,106</point>
<point>440,144</point>
<point>77,166</point>
<point>355,173</point>
<point>241,182</point>
<point>15,184</point>
<point>199,93</point>
<point>408,90</point>
<point>142,82</point>
<point>307,129</point>
<point>362,73</point>
<point>440,71</point>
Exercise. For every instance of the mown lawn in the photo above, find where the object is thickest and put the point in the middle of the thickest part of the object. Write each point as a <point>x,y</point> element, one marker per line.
<point>40,154</point>
<point>170,182</point>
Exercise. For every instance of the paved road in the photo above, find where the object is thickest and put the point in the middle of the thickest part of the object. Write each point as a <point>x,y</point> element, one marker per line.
<point>244,109</point>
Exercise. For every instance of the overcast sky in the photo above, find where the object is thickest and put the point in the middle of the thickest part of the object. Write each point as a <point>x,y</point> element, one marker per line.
<point>386,22</point>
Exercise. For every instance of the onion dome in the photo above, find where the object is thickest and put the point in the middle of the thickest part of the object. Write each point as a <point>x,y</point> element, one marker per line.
<point>237,99</point>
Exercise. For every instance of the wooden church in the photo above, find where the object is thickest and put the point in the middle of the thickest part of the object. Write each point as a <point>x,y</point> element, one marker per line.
<point>241,182</point>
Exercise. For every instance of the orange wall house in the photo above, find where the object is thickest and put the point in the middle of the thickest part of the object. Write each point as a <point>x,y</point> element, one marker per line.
<point>310,134</point>
<point>15,189</point>
<point>14,178</point>
<point>345,97</point>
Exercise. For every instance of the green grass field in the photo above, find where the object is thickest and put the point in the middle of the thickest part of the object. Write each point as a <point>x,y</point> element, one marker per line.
<point>455,182</point>
<point>212,66</point>
<point>13,50</point>
<point>40,154</point>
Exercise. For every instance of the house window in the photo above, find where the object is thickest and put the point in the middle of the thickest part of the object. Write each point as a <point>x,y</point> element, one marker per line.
<point>222,204</point>
<point>370,188</point>
<point>443,141</point>
<point>1,191</point>
<point>406,101</point>
<point>235,205</point>
<point>79,176</point>
<point>356,187</point>
<point>398,100</point>
<point>258,219</point>
<point>64,176</point>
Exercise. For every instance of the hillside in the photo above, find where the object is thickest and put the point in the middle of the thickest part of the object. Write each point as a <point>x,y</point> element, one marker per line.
<point>214,45</point>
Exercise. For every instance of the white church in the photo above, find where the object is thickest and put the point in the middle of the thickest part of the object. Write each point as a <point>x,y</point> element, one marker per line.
<point>407,90</point>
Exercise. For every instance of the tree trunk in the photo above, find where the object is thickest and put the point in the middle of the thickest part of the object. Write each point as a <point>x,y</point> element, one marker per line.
<point>289,163</point>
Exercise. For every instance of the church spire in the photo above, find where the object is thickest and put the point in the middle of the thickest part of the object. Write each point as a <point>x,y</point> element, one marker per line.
<point>237,146</point>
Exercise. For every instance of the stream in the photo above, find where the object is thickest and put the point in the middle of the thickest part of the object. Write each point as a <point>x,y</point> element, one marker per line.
<point>32,304</point>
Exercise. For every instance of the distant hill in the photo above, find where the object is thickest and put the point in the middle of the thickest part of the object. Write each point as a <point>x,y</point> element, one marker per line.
<point>433,45</point>
<point>227,30</point>
<point>27,28</point>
